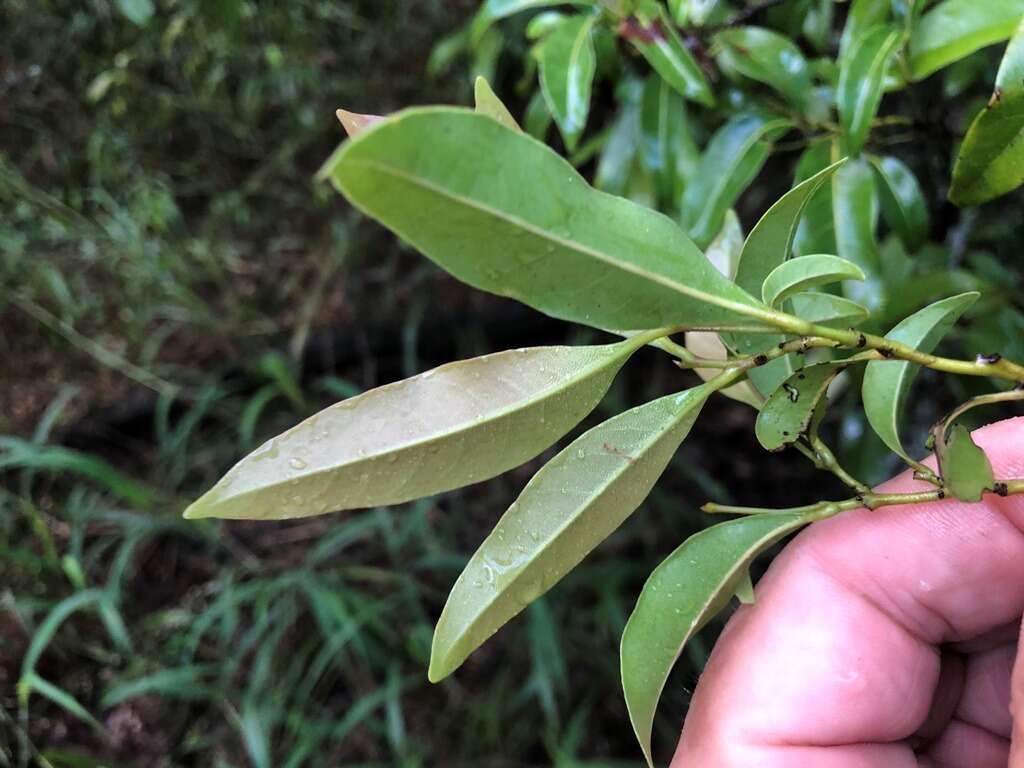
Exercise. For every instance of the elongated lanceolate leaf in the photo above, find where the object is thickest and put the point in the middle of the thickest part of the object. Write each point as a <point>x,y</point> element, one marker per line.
<point>991,159</point>
<point>862,16</point>
<point>816,231</point>
<point>903,204</point>
<point>732,159</point>
<point>806,272</point>
<point>458,424</point>
<point>953,29</point>
<point>567,63</point>
<point>826,309</point>
<point>861,76</point>
<point>887,382</point>
<point>451,183</point>
<point>788,411</point>
<point>767,57</point>
<point>855,215</point>
<point>488,103</point>
<point>667,148</point>
<point>654,36</point>
<point>682,594</point>
<point>570,506</point>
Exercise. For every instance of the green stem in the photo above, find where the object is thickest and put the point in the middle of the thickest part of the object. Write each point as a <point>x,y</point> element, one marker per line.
<point>1013,395</point>
<point>826,460</point>
<point>870,500</point>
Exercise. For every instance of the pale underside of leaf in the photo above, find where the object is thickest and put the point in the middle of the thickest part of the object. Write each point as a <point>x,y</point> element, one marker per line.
<point>684,592</point>
<point>572,504</point>
<point>458,424</point>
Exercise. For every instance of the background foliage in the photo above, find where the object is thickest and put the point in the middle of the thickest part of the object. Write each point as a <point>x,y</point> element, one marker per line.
<point>174,288</point>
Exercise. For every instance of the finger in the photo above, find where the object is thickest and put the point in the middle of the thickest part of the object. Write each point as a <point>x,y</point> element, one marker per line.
<point>1017,707</point>
<point>963,745</point>
<point>840,647</point>
<point>985,701</point>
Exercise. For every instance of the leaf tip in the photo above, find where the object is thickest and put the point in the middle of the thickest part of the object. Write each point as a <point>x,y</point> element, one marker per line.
<point>354,123</point>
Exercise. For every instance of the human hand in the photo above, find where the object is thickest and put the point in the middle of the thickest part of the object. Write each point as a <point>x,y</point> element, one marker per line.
<point>881,639</point>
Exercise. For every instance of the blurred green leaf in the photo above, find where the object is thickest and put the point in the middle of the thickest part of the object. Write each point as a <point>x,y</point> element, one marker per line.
<point>657,40</point>
<point>567,65</point>
<point>863,16</point>
<point>696,12</point>
<point>420,436</point>
<point>494,10</point>
<point>615,163</point>
<point>861,75</point>
<point>903,205</point>
<point>954,29</point>
<point>855,214</point>
<point>786,415</point>
<point>767,57</point>
<point>570,506</point>
<point>732,159</point>
<point>887,382</point>
<point>965,469</point>
<point>991,159</point>
<point>681,595</point>
<point>667,149</point>
<point>139,12</point>
<point>805,272</point>
<point>487,103</point>
<point>638,269</point>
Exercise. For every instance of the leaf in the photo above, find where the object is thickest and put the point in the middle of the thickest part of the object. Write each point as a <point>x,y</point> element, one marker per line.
<point>954,29</point>
<point>806,272</point>
<point>903,204</point>
<point>667,148</point>
<point>354,123</point>
<point>458,424</point>
<point>863,16</point>
<point>570,506</point>
<point>495,10</point>
<point>615,164</point>
<point>887,382</point>
<point>861,76</point>
<point>694,12</point>
<point>682,594</point>
<point>991,159</point>
<point>816,231</point>
<point>567,64</point>
<point>965,469</point>
<point>733,157</point>
<point>768,245</point>
<point>655,37</point>
<point>855,214</point>
<point>787,413</point>
<point>538,119</point>
<point>564,249</point>
<point>138,12</point>
<point>767,57</point>
<point>488,103</point>
<point>826,309</point>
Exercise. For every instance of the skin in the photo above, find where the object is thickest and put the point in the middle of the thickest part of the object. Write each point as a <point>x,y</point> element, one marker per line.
<point>884,639</point>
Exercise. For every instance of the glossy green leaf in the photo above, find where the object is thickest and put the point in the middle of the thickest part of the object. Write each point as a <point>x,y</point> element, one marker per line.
<point>787,413</point>
<point>806,272</point>
<point>991,159</point>
<point>655,37</point>
<point>861,76</point>
<point>615,163</point>
<point>537,119</point>
<point>681,595</point>
<point>543,23</point>
<point>767,57</point>
<point>855,215</point>
<point>733,157</point>
<point>903,204</point>
<point>862,16</point>
<point>667,148</point>
<point>954,29</point>
<point>567,64</point>
<point>816,231</point>
<point>965,469</point>
<point>451,183</point>
<point>817,26</point>
<point>887,382</point>
<point>829,310</point>
<point>458,424</point>
<point>494,10</point>
<point>696,12</point>
<point>488,103</point>
<point>569,507</point>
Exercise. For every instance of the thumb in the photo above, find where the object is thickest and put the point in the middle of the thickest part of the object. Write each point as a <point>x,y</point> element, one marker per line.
<point>1017,707</point>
